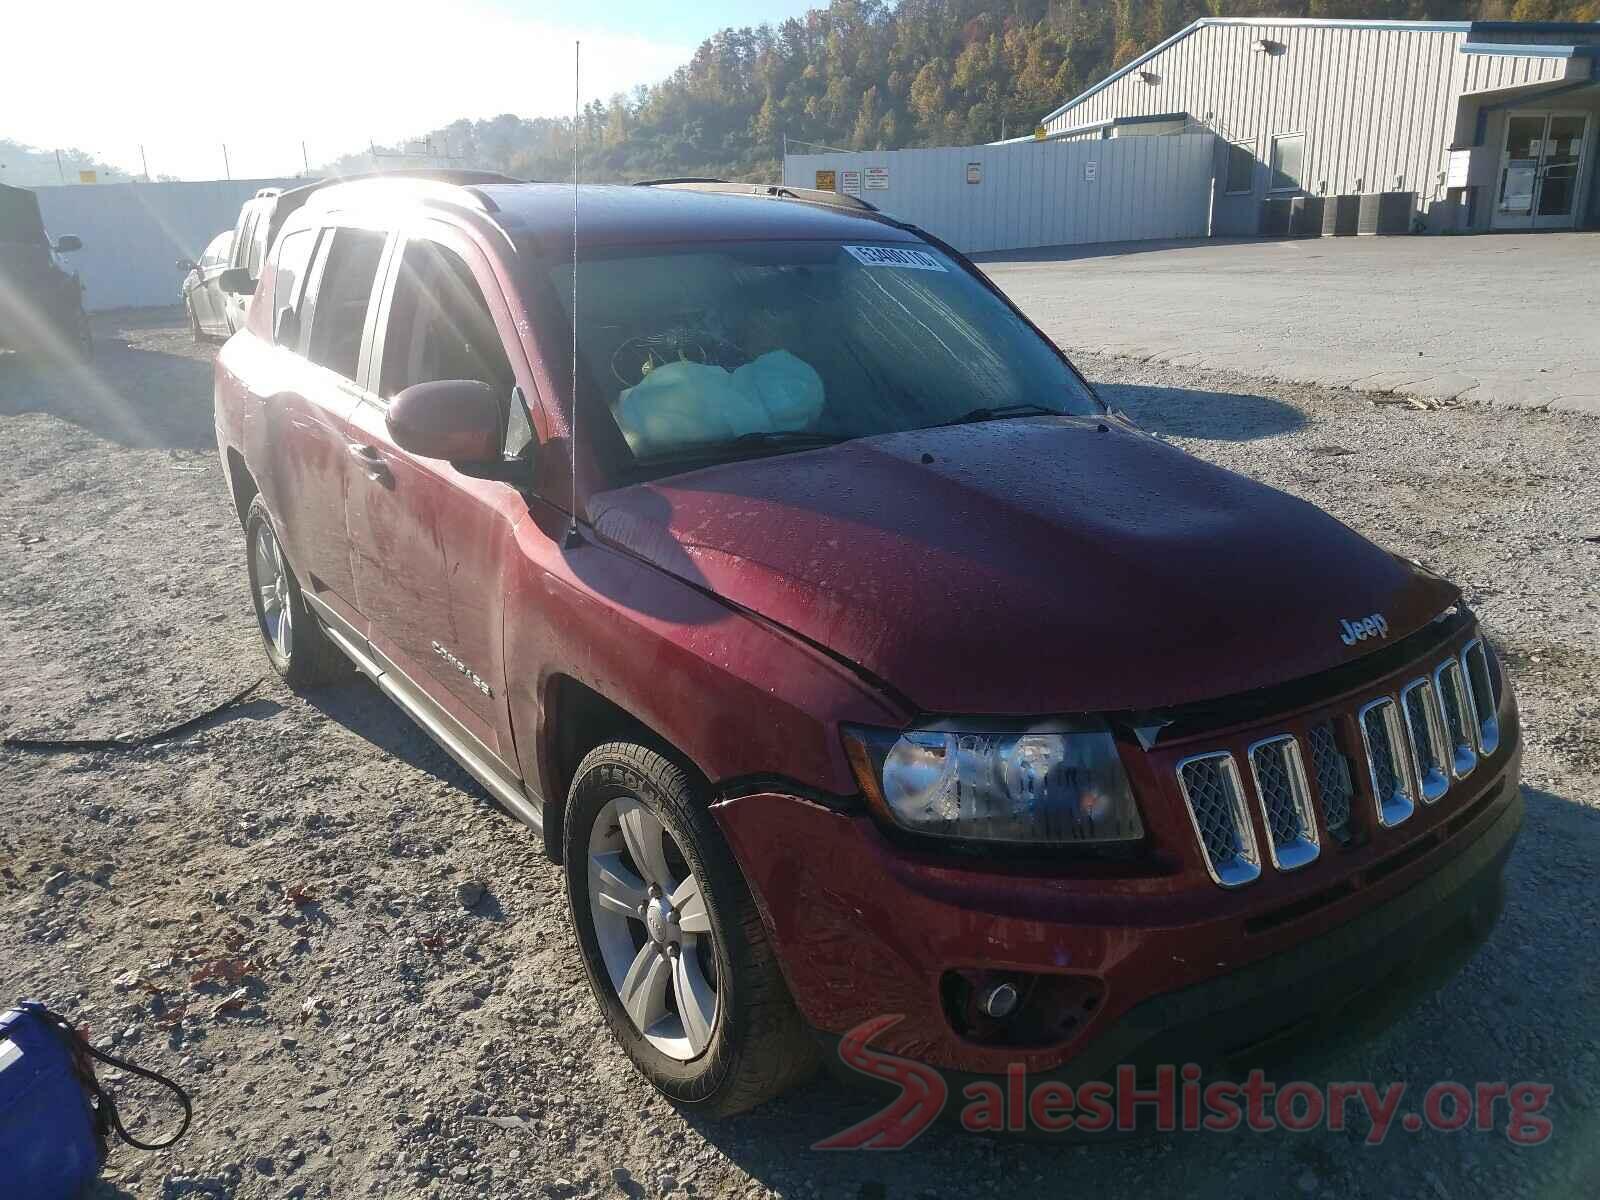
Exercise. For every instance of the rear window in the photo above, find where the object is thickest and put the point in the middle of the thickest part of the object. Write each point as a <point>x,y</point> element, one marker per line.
<point>715,347</point>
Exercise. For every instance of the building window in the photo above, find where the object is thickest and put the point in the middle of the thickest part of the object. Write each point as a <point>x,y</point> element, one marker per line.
<point>1240,179</point>
<point>1288,160</point>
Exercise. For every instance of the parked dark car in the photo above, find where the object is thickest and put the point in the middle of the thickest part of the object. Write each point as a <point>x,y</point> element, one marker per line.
<point>204,301</point>
<point>41,298</point>
<point>868,666</point>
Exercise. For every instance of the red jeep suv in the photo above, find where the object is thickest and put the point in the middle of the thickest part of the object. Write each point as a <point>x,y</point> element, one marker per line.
<point>856,660</point>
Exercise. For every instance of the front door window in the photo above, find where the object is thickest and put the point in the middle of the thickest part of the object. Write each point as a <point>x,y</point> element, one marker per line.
<point>1540,167</point>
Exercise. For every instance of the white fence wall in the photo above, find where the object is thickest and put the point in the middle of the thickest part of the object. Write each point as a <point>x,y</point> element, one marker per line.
<point>1059,193</point>
<point>133,232</point>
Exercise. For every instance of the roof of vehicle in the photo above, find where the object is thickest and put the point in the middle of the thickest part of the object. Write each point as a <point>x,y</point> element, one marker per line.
<point>618,214</point>
<point>611,215</point>
<point>332,190</point>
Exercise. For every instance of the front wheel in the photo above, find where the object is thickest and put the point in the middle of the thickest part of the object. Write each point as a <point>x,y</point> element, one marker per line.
<point>671,939</point>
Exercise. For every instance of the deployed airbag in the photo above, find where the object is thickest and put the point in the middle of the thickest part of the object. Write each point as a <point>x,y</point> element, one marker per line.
<point>687,403</point>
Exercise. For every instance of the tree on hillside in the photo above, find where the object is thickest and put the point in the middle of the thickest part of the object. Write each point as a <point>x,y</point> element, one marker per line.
<point>874,75</point>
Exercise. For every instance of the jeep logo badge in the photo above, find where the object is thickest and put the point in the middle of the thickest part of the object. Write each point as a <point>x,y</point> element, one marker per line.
<point>1362,629</point>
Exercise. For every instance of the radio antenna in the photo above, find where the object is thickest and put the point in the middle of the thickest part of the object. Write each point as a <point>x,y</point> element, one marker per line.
<point>573,536</point>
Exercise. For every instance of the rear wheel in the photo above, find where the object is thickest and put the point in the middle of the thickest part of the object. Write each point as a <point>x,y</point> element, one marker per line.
<point>671,940</point>
<point>293,639</point>
<point>83,336</point>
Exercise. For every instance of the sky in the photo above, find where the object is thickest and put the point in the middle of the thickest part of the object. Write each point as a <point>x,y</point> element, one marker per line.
<point>181,78</point>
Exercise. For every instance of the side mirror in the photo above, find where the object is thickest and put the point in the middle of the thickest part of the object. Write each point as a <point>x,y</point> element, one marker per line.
<point>185,265</point>
<point>458,420</point>
<point>67,243</point>
<point>237,281</point>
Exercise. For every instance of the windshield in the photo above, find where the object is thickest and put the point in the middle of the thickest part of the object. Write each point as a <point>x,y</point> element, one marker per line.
<point>712,349</point>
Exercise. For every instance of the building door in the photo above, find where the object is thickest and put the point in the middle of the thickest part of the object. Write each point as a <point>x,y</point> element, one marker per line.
<point>1541,165</point>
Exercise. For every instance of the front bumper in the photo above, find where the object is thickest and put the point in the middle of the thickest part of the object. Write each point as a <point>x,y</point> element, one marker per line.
<point>866,929</point>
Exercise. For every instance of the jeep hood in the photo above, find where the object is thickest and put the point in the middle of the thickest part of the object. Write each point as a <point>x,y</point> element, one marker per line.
<point>1027,566</point>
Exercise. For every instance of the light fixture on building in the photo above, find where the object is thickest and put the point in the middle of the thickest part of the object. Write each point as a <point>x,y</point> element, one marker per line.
<point>1150,77</point>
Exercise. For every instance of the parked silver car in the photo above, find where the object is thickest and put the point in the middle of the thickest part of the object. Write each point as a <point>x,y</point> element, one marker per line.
<point>203,299</point>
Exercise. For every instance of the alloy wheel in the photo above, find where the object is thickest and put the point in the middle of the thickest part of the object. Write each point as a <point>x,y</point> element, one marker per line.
<point>272,586</point>
<point>654,932</point>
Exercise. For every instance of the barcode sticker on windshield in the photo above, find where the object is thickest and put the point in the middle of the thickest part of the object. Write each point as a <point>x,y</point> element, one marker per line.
<point>894,256</point>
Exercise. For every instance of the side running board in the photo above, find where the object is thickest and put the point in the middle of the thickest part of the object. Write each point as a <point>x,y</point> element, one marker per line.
<point>452,739</point>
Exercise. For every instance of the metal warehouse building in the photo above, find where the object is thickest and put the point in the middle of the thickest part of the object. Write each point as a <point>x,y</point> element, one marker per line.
<point>1370,126</point>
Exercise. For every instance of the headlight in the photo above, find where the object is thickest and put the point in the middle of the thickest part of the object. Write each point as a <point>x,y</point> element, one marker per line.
<point>1039,788</point>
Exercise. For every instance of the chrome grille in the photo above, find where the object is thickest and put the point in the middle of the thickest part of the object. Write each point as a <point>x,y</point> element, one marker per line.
<point>1416,743</point>
<point>1480,692</point>
<point>1334,786</point>
<point>1214,798</point>
<point>1280,778</point>
<point>1388,760</point>
<point>1425,728</point>
<point>1447,683</point>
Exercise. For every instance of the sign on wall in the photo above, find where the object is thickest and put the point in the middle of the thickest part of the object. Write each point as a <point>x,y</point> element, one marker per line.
<point>88,177</point>
<point>825,181</point>
<point>877,179</point>
<point>1091,171</point>
<point>974,172</point>
<point>851,181</point>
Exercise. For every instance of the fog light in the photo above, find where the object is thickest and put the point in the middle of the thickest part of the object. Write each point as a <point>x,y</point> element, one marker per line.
<point>998,1001</point>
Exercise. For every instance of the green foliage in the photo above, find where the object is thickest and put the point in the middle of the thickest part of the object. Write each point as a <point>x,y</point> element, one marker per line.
<point>864,74</point>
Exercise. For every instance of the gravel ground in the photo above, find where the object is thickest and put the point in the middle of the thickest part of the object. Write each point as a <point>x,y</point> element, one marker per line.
<point>268,906</point>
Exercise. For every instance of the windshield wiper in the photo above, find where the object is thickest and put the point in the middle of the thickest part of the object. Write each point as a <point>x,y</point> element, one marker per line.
<point>798,439</point>
<point>1004,410</point>
<point>788,437</point>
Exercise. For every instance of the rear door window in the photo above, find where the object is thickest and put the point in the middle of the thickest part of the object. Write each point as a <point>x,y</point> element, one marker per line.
<point>292,259</point>
<point>335,313</point>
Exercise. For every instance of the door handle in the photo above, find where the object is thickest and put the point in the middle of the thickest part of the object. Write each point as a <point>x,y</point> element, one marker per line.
<point>371,461</point>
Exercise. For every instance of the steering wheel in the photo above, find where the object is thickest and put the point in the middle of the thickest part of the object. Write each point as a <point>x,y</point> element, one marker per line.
<point>643,353</point>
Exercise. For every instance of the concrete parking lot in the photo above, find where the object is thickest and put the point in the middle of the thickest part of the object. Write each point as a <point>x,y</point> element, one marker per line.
<point>1510,320</point>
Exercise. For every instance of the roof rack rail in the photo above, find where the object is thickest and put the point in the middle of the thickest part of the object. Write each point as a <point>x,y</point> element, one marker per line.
<point>775,190</point>
<point>469,180</point>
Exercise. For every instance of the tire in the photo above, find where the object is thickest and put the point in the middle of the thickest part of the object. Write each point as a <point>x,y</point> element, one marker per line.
<point>83,336</point>
<point>301,653</point>
<point>756,1046</point>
